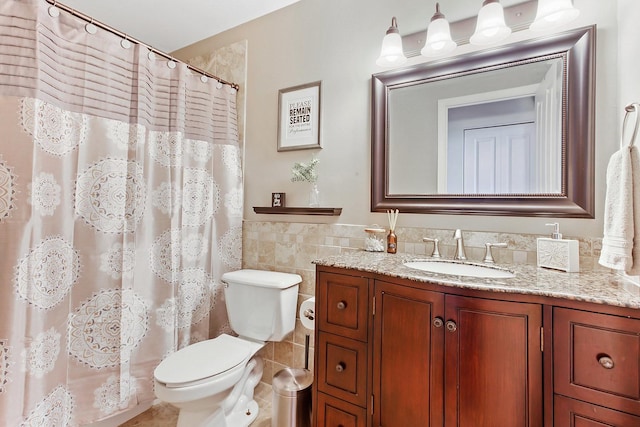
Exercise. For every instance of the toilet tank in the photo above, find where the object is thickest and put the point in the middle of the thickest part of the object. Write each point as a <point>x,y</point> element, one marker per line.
<point>261,305</point>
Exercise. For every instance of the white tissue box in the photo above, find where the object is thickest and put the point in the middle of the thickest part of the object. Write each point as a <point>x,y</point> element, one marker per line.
<point>559,254</point>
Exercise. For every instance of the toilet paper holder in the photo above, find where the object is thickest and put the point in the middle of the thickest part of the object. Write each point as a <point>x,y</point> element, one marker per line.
<point>309,314</point>
<point>307,317</point>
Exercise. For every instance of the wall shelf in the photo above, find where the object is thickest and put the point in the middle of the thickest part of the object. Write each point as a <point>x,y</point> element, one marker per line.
<point>297,211</point>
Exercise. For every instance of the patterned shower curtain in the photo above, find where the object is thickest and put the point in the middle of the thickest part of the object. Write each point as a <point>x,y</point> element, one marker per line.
<point>120,208</point>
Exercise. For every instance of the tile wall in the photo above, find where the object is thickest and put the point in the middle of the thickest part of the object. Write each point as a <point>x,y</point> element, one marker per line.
<point>291,248</point>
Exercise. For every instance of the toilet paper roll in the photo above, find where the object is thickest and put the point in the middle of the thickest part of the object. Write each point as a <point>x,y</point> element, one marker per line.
<point>308,313</point>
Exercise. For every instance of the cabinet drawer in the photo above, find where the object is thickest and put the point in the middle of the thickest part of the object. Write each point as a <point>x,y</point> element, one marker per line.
<point>333,412</point>
<point>342,305</point>
<point>597,358</point>
<point>574,413</point>
<point>342,368</point>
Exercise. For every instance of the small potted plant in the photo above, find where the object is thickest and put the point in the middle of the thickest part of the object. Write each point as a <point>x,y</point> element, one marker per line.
<point>306,172</point>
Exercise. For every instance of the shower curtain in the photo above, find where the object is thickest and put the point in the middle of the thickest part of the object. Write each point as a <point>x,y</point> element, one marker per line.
<point>120,208</point>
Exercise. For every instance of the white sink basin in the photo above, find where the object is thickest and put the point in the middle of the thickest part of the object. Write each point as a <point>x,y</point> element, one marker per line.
<point>461,269</point>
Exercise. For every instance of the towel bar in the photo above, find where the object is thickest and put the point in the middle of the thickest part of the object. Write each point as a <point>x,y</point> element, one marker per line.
<point>631,108</point>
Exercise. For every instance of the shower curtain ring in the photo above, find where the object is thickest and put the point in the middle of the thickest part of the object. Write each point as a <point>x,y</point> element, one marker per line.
<point>125,43</point>
<point>91,28</point>
<point>54,12</point>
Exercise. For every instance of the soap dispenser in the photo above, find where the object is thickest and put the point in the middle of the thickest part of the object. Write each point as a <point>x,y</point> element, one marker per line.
<point>558,253</point>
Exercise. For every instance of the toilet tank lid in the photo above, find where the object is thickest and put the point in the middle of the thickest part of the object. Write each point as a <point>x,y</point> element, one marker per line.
<point>262,278</point>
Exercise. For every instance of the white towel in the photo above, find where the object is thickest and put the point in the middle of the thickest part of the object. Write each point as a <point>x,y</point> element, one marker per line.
<point>635,252</point>
<point>621,242</point>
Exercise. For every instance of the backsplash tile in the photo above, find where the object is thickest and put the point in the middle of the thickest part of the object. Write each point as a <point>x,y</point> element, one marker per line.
<point>291,247</point>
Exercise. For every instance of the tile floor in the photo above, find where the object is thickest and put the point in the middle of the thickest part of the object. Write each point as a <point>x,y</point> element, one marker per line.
<point>164,415</point>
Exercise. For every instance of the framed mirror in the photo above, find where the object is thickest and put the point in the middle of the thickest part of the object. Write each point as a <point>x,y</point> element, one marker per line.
<point>505,131</point>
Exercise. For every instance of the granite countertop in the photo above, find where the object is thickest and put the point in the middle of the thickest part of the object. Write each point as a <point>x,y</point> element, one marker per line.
<point>602,287</point>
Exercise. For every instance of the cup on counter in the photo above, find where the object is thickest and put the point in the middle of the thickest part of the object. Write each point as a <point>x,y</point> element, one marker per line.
<point>375,241</point>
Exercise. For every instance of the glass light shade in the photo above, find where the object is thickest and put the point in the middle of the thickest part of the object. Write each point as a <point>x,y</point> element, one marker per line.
<point>438,39</point>
<point>553,13</point>
<point>391,53</point>
<point>490,27</point>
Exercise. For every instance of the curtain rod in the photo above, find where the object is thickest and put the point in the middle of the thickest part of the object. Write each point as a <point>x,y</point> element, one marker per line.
<point>112,30</point>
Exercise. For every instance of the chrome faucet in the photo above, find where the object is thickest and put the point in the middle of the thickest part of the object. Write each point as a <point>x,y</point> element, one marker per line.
<point>436,246</point>
<point>488,255</point>
<point>459,255</point>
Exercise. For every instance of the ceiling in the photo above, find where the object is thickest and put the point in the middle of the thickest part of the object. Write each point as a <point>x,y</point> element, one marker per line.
<point>168,25</point>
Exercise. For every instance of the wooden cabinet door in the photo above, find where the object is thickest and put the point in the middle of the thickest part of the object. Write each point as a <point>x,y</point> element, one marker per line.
<point>407,357</point>
<point>493,363</point>
<point>332,412</point>
<point>597,358</point>
<point>342,368</point>
<point>342,304</point>
<point>575,413</point>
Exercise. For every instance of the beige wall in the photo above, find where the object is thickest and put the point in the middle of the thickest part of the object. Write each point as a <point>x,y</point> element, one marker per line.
<point>337,41</point>
<point>628,58</point>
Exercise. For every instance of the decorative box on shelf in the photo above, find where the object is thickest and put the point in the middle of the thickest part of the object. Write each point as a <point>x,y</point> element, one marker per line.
<point>297,211</point>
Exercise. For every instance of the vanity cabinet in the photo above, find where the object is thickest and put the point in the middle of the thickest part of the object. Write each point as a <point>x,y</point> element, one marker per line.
<point>394,352</point>
<point>397,354</point>
<point>596,369</point>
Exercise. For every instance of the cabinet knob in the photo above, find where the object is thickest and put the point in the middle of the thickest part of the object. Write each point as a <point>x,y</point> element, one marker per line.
<point>451,326</point>
<point>342,305</point>
<point>438,322</point>
<point>605,361</point>
<point>340,367</point>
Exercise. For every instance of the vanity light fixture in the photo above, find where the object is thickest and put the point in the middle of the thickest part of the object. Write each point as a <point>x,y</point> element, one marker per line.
<point>553,13</point>
<point>392,52</point>
<point>439,40</point>
<point>490,27</point>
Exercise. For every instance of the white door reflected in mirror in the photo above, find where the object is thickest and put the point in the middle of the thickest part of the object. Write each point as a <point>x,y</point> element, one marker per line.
<point>497,160</point>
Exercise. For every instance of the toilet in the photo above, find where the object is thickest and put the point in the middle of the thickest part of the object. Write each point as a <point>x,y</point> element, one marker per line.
<point>212,382</point>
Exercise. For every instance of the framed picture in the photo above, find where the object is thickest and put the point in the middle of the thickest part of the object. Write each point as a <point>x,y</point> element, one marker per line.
<point>278,200</point>
<point>299,117</point>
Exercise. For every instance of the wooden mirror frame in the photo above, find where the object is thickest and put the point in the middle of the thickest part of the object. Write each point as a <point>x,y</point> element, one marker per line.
<point>576,200</point>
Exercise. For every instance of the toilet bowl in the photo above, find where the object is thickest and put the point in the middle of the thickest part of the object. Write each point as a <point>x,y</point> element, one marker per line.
<point>212,382</point>
<point>218,373</point>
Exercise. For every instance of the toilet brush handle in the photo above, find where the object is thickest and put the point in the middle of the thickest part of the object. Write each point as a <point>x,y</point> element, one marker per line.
<point>306,351</point>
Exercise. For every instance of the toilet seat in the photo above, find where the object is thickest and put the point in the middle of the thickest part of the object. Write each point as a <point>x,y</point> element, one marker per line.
<point>200,362</point>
